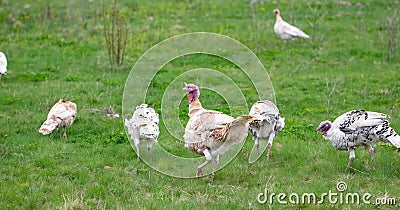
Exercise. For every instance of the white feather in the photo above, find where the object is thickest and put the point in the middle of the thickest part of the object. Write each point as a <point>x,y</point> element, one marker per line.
<point>285,30</point>
<point>3,64</point>
<point>143,126</point>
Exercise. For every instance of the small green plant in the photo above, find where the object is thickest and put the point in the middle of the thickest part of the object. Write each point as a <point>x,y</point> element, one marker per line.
<point>392,35</point>
<point>317,17</point>
<point>115,33</point>
<point>330,90</point>
<point>118,137</point>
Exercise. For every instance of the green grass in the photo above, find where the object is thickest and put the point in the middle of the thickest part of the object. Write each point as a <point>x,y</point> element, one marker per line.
<point>57,50</point>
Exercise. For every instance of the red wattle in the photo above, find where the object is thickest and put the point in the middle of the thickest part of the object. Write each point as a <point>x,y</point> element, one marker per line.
<point>190,97</point>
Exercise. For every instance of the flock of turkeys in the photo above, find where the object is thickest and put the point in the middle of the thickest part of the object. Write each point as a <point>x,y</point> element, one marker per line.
<point>211,133</point>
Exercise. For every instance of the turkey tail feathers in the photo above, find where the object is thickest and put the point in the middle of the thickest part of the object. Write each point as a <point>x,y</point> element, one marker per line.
<point>48,126</point>
<point>394,138</point>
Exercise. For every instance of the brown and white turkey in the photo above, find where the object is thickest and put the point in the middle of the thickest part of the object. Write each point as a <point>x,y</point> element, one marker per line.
<point>143,126</point>
<point>3,64</point>
<point>267,125</point>
<point>61,115</point>
<point>359,128</point>
<point>286,31</point>
<point>211,133</point>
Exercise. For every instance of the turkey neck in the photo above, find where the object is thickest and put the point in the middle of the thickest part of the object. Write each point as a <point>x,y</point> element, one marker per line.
<point>278,18</point>
<point>194,107</point>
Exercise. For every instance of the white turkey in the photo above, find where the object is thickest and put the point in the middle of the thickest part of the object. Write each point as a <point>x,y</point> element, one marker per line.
<point>267,125</point>
<point>211,133</point>
<point>3,64</point>
<point>143,126</point>
<point>286,31</point>
<point>61,115</point>
<point>359,128</point>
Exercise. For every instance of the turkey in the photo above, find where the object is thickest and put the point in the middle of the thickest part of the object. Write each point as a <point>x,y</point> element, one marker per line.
<point>3,64</point>
<point>356,128</point>
<point>143,126</point>
<point>267,125</point>
<point>61,115</point>
<point>211,133</point>
<point>285,30</point>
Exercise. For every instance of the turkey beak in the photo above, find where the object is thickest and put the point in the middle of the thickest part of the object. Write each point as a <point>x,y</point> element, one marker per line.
<point>184,89</point>
<point>319,129</point>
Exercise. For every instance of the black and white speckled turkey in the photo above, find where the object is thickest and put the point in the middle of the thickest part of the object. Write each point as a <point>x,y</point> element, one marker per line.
<point>359,128</point>
<point>267,125</point>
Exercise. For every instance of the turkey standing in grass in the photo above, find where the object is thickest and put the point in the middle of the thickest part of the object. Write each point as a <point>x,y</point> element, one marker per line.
<point>285,30</point>
<point>143,126</point>
<point>356,128</point>
<point>267,125</point>
<point>61,115</point>
<point>3,64</point>
<point>211,133</point>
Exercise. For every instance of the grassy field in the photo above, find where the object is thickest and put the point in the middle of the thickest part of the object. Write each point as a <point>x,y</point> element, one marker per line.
<point>56,49</point>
